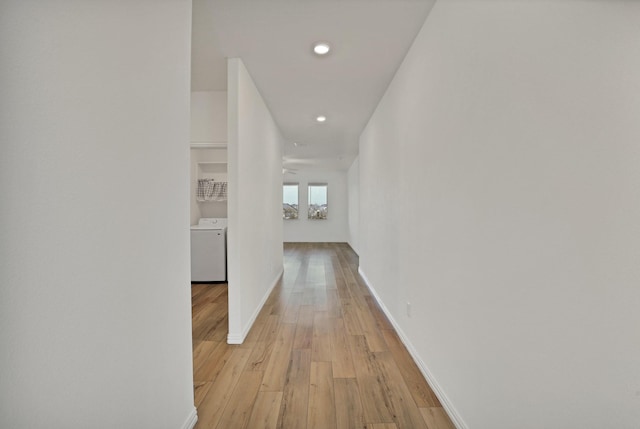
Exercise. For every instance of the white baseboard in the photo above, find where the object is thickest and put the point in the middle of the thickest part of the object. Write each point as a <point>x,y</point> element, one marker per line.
<point>446,404</point>
<point>191,420</point>
<point>234,338</point>
<point>238,338</point>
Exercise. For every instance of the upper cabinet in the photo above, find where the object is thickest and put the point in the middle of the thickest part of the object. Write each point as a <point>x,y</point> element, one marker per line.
<point>208,119</point>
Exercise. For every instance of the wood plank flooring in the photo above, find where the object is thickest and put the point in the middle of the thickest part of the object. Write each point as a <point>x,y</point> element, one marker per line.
<point>321,355</point>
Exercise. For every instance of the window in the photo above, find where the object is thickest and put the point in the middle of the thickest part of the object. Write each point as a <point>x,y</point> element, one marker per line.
<point>318,207</point>
<point>290,201</point>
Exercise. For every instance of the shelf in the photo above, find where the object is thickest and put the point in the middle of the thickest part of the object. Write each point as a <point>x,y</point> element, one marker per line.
<point>208,145</point>
<point>212,170</point>
<point>216,167</point>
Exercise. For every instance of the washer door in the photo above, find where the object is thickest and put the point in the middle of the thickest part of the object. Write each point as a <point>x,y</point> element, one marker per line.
<point>208,255</point>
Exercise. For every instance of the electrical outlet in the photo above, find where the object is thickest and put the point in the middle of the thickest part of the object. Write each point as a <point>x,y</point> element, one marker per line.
<point>408,309</point>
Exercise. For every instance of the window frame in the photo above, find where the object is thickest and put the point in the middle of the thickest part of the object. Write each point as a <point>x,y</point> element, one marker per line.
<point>297,185</point>
<point>317,184</point>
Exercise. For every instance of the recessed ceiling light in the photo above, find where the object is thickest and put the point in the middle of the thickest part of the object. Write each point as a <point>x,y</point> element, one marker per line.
<point>321,48</point>
<point>321,118</point>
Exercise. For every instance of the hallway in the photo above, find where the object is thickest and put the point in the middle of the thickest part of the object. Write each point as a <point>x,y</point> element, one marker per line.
<point>321,354</point>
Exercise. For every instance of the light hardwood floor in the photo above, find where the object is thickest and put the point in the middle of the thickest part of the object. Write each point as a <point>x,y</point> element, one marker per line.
<point>321,354</point>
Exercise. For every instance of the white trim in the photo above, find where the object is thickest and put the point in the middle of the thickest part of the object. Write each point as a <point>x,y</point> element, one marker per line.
<point>191,420</point>
<point>208,145</point>
<point>446,403</point>
<point>235,338</point>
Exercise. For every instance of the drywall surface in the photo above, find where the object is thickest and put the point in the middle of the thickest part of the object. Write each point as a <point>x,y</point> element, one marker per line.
<point>208,117</point>
<point>255,201</point>
<point>332,229</point>
<point>95,314</point>
<point>353,196</point>
<point>499,182</point>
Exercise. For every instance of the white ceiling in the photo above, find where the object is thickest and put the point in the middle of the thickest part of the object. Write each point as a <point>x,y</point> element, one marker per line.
<point>368,38</point>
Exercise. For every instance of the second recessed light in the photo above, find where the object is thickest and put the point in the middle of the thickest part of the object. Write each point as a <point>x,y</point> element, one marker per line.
<point>321,48</point>
<point>321,118</point>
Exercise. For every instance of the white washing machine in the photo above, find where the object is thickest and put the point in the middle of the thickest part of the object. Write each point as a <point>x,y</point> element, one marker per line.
<point>209,250</point>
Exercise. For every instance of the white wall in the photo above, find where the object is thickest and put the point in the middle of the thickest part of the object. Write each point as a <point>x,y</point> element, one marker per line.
<point>332,230</point>
<point>208,208</point>
<point>255,201</point>
<point>505,157</point>
<point>353,195</point>
<point>95,317</point>
<point>208,117</point>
